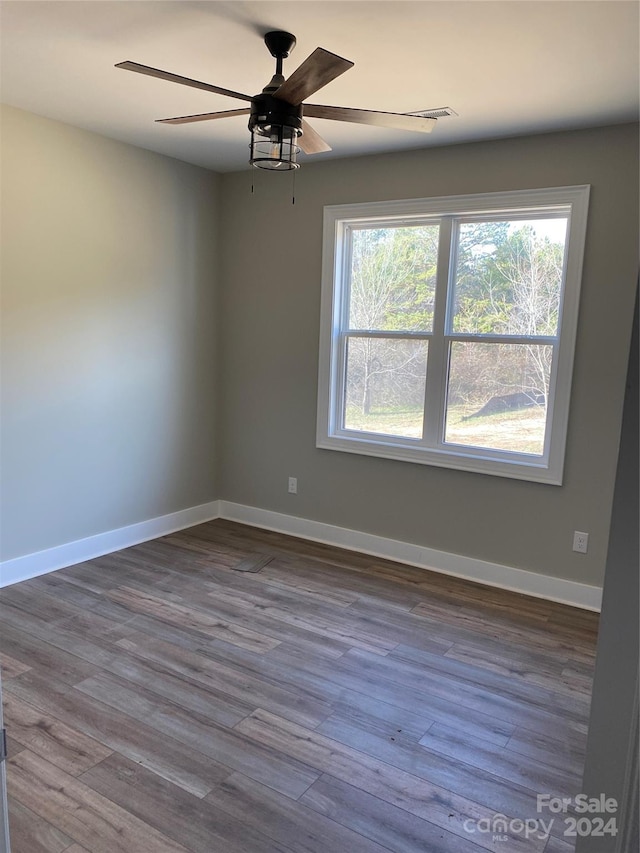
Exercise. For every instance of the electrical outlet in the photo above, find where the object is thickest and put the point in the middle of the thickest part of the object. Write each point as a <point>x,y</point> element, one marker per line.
<point>293,485</point>
<point>580,541</point>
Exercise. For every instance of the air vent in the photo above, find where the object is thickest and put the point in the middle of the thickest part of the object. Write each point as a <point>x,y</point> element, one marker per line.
<point>441,112</point>
<point>252,563</point>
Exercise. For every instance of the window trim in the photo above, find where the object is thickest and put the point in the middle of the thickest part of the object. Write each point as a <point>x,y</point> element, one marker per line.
<point>335,272</point>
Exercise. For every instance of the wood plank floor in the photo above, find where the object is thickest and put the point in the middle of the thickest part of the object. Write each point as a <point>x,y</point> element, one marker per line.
<point>158,701</point>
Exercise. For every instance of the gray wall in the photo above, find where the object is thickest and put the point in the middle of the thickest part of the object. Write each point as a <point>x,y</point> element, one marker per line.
<point>613,738</point>
<point>109,320</point>
<point>157,318</point>
<point>270,301</point>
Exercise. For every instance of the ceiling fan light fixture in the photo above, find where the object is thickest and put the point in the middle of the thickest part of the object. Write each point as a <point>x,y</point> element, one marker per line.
<point>275,126</point>
<point>274,148</point>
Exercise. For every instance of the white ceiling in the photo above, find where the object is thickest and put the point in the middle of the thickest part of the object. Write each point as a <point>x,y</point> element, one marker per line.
<point>508,68</point>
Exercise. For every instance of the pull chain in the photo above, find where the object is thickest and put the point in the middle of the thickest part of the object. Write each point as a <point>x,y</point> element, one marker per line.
<point>293,189</point>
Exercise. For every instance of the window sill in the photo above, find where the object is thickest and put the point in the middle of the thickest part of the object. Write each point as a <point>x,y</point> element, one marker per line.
<point>534,469</point>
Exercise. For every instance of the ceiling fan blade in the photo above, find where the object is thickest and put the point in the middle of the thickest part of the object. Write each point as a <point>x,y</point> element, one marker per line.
<point>318,69</point>
<point>176,78</point>
<point>310,141</point>
<point>204,116</point>
<point>397,121</point>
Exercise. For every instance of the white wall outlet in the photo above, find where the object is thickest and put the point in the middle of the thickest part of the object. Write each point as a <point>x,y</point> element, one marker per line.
<point>293,486</point>
<point>580,541</point>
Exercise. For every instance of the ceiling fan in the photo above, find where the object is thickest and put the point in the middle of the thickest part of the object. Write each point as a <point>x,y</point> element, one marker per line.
<point>277,115</point>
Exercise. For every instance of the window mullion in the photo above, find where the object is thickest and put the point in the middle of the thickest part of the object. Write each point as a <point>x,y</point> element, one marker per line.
<point>391,334</point>
<point>437,361</point>
<point>485,338</point>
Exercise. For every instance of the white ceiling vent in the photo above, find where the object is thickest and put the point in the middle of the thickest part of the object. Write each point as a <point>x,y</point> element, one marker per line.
<point>441,112</point>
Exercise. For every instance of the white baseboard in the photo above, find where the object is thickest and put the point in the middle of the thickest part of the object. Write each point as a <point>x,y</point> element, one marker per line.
<point>491,574</point>
<point>52,559</point>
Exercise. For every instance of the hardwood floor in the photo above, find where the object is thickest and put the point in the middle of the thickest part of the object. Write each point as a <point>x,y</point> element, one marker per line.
<point>158,701</point>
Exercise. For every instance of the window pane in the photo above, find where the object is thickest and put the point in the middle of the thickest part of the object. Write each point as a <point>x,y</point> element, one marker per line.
<point>497,396</point>
<point>385,386</point>
<point>393,275</point>
<point>508,277</point>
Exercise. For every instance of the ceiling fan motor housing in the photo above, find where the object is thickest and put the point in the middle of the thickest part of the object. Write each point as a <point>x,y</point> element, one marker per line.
<point>268,112</point>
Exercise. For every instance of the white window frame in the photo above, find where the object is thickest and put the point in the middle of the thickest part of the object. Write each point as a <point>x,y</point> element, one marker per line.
<point>431,449</point>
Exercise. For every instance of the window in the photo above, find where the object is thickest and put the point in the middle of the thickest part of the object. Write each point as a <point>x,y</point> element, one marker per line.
<point>448,329</point>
